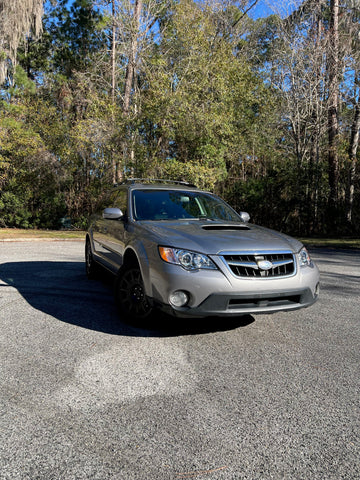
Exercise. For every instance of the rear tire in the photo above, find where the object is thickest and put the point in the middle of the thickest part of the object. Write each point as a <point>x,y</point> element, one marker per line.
<point>130,294</point>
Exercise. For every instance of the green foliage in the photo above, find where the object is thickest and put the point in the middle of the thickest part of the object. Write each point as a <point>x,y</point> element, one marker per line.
<point>28,174</point>
<point>205,108</point>
<point>75,34</point>
<point>14,212</point>
<point>202,105</point>
<point>202,175</point>
<point>278,195</point>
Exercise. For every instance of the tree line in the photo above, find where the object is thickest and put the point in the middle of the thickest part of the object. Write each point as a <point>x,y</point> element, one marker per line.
<point>265,112</point>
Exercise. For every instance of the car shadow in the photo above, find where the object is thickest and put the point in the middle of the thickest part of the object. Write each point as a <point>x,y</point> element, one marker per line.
<point>62,291</point>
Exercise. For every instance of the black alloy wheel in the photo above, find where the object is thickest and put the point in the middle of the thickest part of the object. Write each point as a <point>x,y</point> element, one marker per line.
<point>130,294</point>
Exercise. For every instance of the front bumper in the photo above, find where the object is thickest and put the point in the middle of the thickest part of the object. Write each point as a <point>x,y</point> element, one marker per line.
<point>245,304</point>
<point>218,293</point>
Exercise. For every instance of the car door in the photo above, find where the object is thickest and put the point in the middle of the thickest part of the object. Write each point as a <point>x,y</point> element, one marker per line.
<point>109,233</point>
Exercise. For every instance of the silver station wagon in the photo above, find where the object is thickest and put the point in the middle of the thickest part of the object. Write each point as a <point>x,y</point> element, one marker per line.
<point>185,251</point>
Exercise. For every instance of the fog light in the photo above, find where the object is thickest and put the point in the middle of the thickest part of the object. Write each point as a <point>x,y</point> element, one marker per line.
<point>179,298</point>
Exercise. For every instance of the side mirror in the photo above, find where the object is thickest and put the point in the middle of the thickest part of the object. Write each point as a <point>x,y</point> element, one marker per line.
<point>112,213</point>
<point>245,217</point>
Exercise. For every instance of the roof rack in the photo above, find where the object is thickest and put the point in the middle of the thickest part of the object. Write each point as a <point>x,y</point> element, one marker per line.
<point>132,181</point>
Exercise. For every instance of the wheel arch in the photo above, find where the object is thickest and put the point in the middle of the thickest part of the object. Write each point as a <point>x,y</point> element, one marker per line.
<point>88,238</point>
<point>130,259</point>
<point>91,265</point>
<point>137,256</point>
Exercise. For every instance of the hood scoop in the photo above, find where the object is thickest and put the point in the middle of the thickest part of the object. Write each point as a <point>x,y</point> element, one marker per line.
<point>225,228</point>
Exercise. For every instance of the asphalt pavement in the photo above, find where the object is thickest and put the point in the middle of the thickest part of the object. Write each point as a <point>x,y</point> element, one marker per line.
<point>85,395</point>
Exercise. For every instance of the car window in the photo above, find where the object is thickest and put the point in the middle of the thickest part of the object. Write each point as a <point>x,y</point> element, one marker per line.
<point>178,205</point>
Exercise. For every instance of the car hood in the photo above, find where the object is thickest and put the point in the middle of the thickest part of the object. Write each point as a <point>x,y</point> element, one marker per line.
<point>216,238</point>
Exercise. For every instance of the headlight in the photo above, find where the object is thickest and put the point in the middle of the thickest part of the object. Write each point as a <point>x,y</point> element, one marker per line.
<point>187,259</point>
<point>304,258</point>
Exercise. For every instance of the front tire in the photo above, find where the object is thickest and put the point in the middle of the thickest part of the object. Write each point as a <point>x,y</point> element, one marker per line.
<point>130,294</point>
<point>92,269</point>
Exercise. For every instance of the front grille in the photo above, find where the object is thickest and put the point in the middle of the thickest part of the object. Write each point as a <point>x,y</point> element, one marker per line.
<point>255,266</point>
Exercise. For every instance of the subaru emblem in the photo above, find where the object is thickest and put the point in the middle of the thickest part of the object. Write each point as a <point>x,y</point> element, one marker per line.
<point>265,265</point>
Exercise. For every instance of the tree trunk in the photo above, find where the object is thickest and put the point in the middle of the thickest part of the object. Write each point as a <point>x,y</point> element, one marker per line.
<point>113,85</point>
<point>113,54</point>
<point>333,87</point>
<point>130,71</point>
<point>128,151</point>
<point>354,143</point>
<point>314,177</point>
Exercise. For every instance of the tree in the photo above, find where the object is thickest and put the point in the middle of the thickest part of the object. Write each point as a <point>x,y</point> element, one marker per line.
<point>333,96</point>
<point>201,103</point>
<point>30,174</point>
<point>75,35</point>
<point>186,89</point>
<point>289,54</point>
<point>17,19</point>
<point>311,60</point>
<point>349,29</point>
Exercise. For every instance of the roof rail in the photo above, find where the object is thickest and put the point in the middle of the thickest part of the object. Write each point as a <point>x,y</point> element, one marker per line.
<point>132,181</point>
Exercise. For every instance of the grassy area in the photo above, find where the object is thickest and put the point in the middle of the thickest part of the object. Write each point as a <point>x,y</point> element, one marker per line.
<point>19,234</point>
<point>331,242</point>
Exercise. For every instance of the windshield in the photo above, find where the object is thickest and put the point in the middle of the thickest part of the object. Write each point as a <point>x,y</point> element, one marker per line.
<point>180,205</point>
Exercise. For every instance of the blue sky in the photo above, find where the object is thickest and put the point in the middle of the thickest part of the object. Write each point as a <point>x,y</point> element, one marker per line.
<point>260,10</point>
<point>264,8</point>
